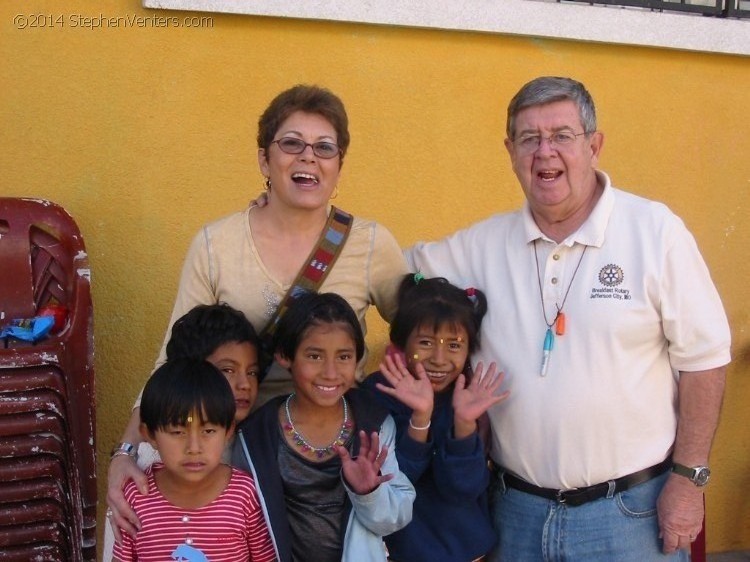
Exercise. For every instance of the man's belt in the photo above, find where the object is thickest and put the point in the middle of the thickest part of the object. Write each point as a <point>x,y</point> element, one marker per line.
<point>580,496</point>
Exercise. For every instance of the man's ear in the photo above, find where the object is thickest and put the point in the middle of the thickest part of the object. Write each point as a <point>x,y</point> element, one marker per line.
<point>281,360</point>
<point>511,148</point>
<point>596,143</point>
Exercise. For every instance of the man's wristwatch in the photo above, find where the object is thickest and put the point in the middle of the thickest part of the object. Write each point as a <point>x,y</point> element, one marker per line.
<point>698,475</point>
<point>124,449</point>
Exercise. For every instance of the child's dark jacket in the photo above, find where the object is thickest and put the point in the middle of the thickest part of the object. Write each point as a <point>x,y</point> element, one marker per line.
<point>382,511</point>
<point>451,521</point>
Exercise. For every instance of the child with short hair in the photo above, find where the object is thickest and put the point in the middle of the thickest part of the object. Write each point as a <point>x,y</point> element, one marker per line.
<point>437,405</point>
<point>331,491</point>
<point>224,337</point>
<point>197,508</point>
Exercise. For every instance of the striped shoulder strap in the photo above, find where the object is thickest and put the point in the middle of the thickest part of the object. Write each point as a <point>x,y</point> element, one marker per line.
<point>316,268</point>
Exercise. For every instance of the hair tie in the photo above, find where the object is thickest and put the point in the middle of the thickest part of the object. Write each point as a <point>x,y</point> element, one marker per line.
<point>418,277</point>
<point>471,294</point>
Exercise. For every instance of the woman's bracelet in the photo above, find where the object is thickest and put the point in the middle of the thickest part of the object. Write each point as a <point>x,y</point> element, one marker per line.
<point>420,428</point>
<point>124,450</point>
<point>122,454</point>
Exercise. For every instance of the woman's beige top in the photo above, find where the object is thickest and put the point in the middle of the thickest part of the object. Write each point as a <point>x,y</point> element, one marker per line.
<point>223,265</point>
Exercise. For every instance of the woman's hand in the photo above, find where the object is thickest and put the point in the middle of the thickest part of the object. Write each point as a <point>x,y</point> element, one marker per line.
<point>470,402</point>
<point>120,514</point>
<point>260,201</point>
<point>362,472</point>
<point>414,391</point>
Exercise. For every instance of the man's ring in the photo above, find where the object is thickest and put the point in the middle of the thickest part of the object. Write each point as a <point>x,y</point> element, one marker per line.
<point>108,513</point>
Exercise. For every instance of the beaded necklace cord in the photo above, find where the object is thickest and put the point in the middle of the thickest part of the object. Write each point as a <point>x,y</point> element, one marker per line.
<point>559,320</point>
<point>304,445</point>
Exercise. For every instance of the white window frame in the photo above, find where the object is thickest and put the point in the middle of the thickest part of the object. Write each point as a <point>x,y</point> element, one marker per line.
<point>539,18</point>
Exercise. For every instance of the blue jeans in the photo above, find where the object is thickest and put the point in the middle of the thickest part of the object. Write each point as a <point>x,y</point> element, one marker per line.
<point>622,528</point>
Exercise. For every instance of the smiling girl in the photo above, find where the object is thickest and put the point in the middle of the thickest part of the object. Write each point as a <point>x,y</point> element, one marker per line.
<point>437,407</point>
<point>323,455</point>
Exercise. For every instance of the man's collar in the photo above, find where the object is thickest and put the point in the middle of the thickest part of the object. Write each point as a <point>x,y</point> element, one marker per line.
<point>591,232</point>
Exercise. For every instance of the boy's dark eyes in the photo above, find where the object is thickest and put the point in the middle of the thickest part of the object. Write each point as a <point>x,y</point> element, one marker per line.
<point>230,373</point>
<point>178,431</point>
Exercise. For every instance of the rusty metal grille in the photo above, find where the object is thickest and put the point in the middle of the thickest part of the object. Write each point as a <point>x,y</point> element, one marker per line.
<point>713,8</point>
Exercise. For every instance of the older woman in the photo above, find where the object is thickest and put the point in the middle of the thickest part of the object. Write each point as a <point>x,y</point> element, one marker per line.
<point>251,259</point>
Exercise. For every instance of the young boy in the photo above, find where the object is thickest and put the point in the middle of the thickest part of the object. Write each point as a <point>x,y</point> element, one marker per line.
<point>197,508</point>
<point>225,338</point>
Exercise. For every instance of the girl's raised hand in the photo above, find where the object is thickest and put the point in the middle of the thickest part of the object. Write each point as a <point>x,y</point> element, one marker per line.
<point>362,472</point>
<point>414,391</point>
<point>470,402</point>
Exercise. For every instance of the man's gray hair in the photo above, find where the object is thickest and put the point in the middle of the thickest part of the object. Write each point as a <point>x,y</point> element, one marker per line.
<point>548,89</point>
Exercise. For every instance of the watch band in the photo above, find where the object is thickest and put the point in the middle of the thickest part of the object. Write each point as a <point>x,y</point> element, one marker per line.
<point>698,475</point>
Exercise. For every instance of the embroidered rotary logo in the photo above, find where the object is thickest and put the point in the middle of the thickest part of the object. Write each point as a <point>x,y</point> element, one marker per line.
<point>611,275</point>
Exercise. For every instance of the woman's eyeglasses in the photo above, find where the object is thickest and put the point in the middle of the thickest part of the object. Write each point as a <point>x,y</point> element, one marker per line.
<point>321,149</point>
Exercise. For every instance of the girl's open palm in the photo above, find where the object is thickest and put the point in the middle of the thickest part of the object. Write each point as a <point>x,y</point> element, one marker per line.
<point>472,400</point>
<point>414,391</point>
<point>362,472</point>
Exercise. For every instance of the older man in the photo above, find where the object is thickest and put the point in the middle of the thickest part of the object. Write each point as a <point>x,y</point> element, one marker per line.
<point>614,342</point>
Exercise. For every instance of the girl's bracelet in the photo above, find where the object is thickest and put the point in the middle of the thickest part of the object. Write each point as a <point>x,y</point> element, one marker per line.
<point>420,428</point>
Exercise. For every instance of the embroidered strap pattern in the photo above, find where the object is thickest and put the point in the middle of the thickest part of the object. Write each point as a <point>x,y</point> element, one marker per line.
<point>319,264</point>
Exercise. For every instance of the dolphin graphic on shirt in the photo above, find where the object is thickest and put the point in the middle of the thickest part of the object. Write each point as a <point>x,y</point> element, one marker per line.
<point>186,553</point>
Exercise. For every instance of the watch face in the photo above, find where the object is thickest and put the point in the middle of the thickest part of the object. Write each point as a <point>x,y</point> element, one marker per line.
<point>701,476</point>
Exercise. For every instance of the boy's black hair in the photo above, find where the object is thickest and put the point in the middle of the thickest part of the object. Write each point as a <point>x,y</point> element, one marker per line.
<point>183,387</point>
<point>435,301</point>
<point>314,309</point>
<point>205,328</point>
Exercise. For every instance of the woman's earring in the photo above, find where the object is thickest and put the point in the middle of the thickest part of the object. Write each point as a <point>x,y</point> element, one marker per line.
<point>267,184</point>
<point>335,192</point>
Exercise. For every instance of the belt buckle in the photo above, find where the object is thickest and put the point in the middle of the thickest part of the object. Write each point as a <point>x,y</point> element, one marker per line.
<point>560,496</point>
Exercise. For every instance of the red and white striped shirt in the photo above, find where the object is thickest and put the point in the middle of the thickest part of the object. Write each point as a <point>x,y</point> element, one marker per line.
<point>229,529</point>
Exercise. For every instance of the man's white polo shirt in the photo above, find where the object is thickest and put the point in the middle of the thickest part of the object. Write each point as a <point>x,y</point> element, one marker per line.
<point>641,307</point>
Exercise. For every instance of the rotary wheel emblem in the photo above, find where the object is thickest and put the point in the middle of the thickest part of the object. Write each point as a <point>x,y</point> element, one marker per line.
<point>611,275</point>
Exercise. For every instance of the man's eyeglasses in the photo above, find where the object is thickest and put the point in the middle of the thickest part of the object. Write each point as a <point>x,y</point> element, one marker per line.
<point>526,144</point>
<point>321,149</point>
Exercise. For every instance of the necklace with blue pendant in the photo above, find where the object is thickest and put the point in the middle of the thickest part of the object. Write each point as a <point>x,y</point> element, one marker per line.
<point>559,320</point>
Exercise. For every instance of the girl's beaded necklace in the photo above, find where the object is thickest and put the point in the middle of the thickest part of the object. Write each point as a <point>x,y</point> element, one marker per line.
<point>559,320</point>
<point>305,446</point>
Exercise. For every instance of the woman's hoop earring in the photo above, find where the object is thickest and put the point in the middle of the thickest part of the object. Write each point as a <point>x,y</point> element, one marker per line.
<point>335,192</point>
<point>267,184</point>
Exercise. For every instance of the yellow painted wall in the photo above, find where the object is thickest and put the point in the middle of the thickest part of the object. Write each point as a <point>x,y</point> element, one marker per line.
<point>145,134</point>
